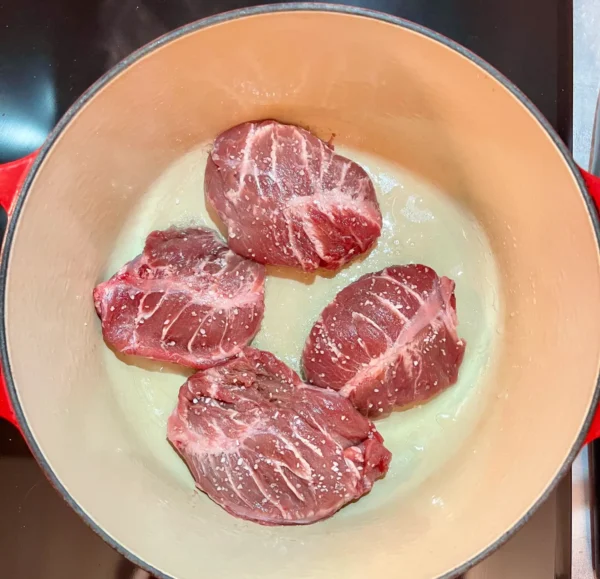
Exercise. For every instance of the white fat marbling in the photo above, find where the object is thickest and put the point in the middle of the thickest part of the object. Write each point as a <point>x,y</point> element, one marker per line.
<point>421,224</point>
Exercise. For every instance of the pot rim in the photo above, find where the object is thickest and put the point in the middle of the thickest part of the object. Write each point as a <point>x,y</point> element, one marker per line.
<point>183,31</point>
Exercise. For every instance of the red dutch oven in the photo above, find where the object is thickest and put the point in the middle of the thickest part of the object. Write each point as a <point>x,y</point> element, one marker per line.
<point>408,103</point>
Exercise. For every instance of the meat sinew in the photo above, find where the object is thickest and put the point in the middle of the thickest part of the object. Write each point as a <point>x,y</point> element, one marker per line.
<point>288,199</point>
<point>271,449</point>
<point>389,339</point>
<point>186,299</point>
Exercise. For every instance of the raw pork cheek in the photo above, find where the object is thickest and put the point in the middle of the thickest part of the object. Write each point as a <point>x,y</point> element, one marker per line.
<point>268,448</point>
<point>288,199</point>
<point>388,339</point>
<point>186,299</point>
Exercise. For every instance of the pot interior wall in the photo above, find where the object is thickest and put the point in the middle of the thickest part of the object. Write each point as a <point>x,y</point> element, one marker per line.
<point>402,99</point>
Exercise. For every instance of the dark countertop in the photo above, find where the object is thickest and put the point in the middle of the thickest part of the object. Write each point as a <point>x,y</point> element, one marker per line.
<point>50,52</point>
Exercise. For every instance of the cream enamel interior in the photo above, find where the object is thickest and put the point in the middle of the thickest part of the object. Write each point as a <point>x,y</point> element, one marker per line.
<point>401,99</point>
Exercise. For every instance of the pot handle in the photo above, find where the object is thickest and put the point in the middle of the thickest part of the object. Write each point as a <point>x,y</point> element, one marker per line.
<point>12,176</point>
<point>593,185</point>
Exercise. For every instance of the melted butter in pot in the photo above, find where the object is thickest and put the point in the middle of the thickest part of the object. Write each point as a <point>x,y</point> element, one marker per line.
<point>420,225</point>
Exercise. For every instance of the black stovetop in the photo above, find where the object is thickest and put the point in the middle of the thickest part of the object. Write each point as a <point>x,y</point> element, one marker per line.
<point>51,51</point>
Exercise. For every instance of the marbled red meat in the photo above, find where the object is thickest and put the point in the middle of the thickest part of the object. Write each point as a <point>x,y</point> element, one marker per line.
<point>269,448</point>
<point>287,199</point>
<point>186,299</point>
<point>387,340</point>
